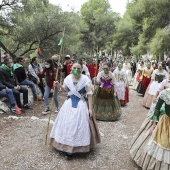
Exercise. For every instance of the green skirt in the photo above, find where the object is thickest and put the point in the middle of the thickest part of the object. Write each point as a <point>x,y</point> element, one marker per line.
<point>139,90</point>
<point>106,106</point>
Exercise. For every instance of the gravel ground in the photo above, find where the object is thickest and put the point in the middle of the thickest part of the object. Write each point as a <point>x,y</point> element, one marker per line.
<point>22,141</point>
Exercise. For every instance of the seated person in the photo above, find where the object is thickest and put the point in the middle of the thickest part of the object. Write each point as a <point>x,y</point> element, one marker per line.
<point>21,76</point>
<point>9,80</point>
<point>7,93</point>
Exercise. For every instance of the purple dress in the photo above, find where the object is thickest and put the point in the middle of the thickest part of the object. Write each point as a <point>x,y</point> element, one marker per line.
<point>106,105</point>
<point>106,83</point>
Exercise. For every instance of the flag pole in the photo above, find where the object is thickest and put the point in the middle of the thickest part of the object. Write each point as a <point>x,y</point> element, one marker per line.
<point>37,80</point>
<point>96,69</point>
<point>52,102</point>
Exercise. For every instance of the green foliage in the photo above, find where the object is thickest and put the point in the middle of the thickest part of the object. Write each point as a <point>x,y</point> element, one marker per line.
<point>40,24</point>
<point>160,42</point>
<point>152,16</point>
<point>97,24</point>
<point>26,25</point>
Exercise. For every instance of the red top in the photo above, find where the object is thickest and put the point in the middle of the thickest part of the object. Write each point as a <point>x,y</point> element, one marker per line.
<point>93,69</point>
<point>47,73</point>
<point>68,65</point>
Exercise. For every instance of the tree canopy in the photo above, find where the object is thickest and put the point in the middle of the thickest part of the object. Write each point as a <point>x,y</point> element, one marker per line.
<point>27,25</point>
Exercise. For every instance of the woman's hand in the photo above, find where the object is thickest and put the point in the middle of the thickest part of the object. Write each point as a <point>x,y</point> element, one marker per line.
<point>90,113</point>
<point>154,100</point>
<point>52,90</point>
<point>56,84</point>
<point>115,94</point>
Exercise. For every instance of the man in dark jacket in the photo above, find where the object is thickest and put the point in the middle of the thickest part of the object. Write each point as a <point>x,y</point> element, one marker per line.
<point>7,93</point>
<point>9,80</point>
<point>133,67</point>
<point>20,73</point>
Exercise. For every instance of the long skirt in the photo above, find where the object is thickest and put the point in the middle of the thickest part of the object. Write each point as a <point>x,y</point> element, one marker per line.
<point>150,94</point>
<point>142,136</point>
<point>126,98</point>
<point>155,154</point>
<point>106,106</point>
<point>143,85</point>
<point>129,76</point>
<point>136,80</point>
<point>73,130</point>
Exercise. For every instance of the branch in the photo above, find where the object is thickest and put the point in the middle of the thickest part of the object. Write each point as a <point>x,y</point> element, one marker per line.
<point>30,48</point>
<point>17,48</point>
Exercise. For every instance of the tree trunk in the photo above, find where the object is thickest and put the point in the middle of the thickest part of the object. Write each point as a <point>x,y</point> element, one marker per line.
<point>8,51</point>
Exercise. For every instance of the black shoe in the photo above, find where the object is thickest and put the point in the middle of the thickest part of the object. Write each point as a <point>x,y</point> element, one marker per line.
<point>68,155</point>
<point>27,107</point>
<point>22,110</point>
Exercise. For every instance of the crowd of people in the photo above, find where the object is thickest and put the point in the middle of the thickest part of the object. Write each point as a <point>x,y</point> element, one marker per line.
<point>95,90</point>
<point>150,148</point>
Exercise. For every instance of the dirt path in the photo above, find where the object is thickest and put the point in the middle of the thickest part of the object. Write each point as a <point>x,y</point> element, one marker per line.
<point>22,142</point>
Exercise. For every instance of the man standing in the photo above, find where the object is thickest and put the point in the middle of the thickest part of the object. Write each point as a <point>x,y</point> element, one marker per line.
<point>93,69</point>
<point>9,80</point>
<point>67,65</point>
<point>133,67</point>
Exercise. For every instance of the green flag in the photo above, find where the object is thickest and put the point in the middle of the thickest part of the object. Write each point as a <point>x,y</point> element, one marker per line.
<point>61,41</point>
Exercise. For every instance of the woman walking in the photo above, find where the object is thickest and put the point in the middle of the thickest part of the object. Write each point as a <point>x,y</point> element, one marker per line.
<point>157,77</point>
<point>106,103</point>
<point>121,85</point>
<point>155,152</point>
<point>49,73</point>
<point>75,130</point>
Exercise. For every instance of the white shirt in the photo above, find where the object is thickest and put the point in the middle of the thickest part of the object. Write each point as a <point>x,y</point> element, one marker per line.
<point>86,70</point>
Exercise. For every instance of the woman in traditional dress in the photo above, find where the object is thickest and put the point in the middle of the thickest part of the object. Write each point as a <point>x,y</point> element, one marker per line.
<point>75,129</point>
<point>142,136</point>
<point>106,103</point>
<point>145,79</point>
<point>127,67</point>
<point>155,153</point>
<point>138,73</point>
<point>121,85</point>
<point>157,77</point>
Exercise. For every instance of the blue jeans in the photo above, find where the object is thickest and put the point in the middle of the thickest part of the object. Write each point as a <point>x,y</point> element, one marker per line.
<point>46,96</point>
<point>92,78</point>
<point>31,84</point>
<point>8,94</point>
<point>17,96</point>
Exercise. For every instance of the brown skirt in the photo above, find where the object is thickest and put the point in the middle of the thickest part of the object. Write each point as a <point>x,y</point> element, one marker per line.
<point>95,138</point>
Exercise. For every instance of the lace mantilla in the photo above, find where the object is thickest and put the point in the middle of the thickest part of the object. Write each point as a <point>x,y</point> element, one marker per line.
<point>165,95</point>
